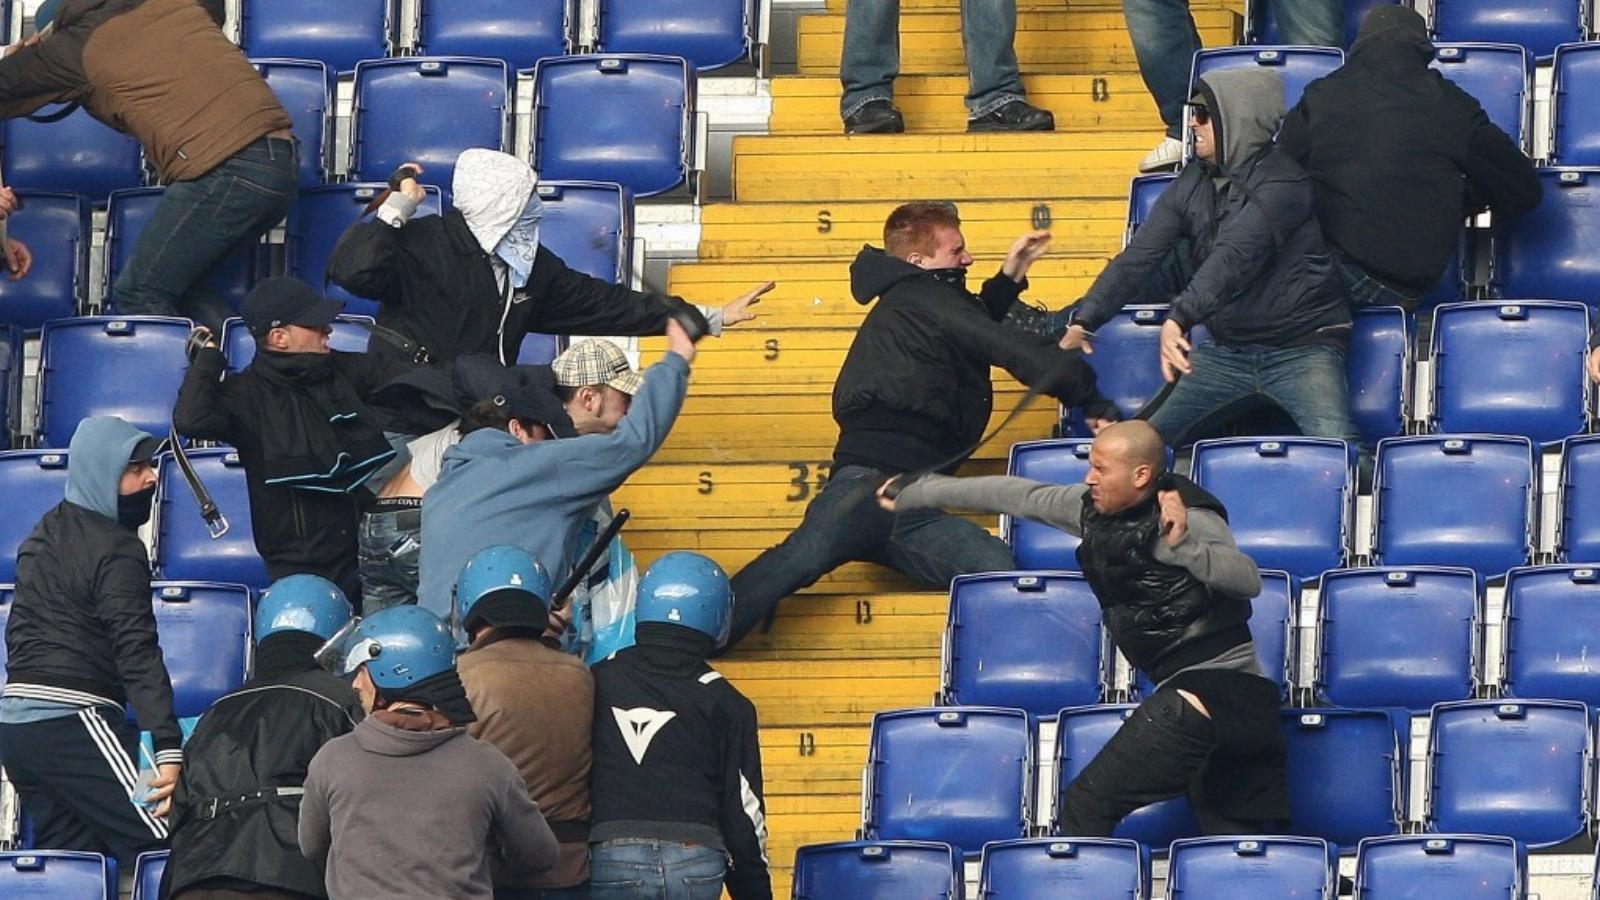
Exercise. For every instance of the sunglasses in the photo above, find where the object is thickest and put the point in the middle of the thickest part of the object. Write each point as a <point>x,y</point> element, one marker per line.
<point>1199,114</point>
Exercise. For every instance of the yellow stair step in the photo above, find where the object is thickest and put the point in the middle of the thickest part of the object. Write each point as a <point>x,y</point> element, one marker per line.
<point>838,6</point>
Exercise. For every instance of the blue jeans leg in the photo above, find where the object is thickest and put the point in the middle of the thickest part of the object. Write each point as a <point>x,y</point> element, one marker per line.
<point>1311,385</point>
<point>934,547</point>
<point>639,869</point>
<point>1364,290</point>
<point>199,222</point>
<point>1221,385</point>
<point>988,37</point>
<point>1313,23</point>
<point>1164,41</point>
<point>871,57</point>
<point>389,550</point>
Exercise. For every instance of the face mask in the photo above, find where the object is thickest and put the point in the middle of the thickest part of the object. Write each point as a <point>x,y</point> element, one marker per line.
<point>521,244</point>
<point>133,510</point>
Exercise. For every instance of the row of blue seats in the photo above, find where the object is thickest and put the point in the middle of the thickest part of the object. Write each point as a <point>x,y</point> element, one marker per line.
<point>425,110</point>
<point>75,875</point>
<point>1537,25</point>
<point>1459,866</point>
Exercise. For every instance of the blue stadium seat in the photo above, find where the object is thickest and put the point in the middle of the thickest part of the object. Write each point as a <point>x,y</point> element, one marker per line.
<point>1273,617</point>
<point>961,776</point>
<point>1552,614</point>
<point>1347,772</point>
<point>1500,76</point>
<point>147,872</point>
<point>538,350</point>
<point>56,229</point>
<point>340,34</point>
<point>589,224</point>
<point>127,214</point>
<point>7,592</point>
<point>1036,545</point>
<point>1575,107</point>
<point>1253,868</point>
<point>1549,252</point>
<point>350,334</point>
<point>1578,538</point>
<point>1425,867</point>
<point>57,875</point>
<point>1397,637</point>
<point>1538,25</point>
<point>1080,733</point>
<point>75,155</point>
<point>1126,359</point>
<point>877,870</point>
<point>1142,196</point>
<point>517,31</point>
<point>1299,66</point>
<point>427,110</point>
<point>205,638</point>
<point>1261,26</point>
<point>1517,768</point>
<point>129,366</point>
<point>184,549</point>
<point>1028,641</point>
<point>317,220</point>
<point>1378,367</point>
<point>1505,367</point>
<point>33,482</point>
<point>711,34</point>
<point>1290,500</point>
<point>1050,868</point>
<point>1453,283</point>
<point>626,119</point>
<point>10,382</point>
<point>1454,501</point>
<point>305,88</point>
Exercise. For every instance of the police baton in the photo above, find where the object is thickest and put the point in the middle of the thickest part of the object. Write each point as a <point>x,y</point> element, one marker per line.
<point>602,542</point>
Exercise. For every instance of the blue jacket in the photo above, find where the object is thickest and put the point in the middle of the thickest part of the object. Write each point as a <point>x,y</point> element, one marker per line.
<point>494,490</point>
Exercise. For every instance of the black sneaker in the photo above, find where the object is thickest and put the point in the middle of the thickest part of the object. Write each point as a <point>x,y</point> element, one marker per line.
<point>1018,115</point>
<point>876,117</point>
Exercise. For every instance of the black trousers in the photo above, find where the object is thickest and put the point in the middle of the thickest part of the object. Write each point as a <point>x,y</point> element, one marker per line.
<point>1230,765</point>
<point>75,776</point>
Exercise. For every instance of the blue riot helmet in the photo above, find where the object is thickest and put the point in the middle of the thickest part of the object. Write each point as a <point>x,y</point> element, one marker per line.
<point>687,589</point>
<point>400,646</point>
<point>503,586</point>
<point>305,603</point>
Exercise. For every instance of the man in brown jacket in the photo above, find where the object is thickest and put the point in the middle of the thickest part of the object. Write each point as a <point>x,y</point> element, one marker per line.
<point>534,703</point>
<point>162,71</point>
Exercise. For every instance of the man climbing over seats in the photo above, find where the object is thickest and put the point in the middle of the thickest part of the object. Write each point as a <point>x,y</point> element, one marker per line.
<point>1175,593</point>
<point>915,393</point>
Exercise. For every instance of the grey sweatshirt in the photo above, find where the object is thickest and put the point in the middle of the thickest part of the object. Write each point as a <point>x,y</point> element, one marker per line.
<point>414,815</point>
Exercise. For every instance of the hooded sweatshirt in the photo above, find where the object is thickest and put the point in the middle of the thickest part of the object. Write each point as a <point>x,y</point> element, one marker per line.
<point>1257,270</point>
<point>1399,155</point>
<point>409,808</point>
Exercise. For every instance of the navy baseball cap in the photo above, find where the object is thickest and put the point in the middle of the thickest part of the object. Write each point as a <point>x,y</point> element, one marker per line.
<point>281,301</point>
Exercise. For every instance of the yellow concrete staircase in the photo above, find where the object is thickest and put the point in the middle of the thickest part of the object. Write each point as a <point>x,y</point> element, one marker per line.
<point>753,443</point>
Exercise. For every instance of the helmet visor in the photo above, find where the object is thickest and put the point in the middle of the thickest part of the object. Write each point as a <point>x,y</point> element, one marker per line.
<point>347,650</point>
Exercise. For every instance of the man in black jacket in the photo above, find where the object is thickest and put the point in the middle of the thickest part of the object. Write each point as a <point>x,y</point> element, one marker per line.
<point>298,417</point>
<point>1398,156</point>
<point>915,393</point>
<point>477,279</point>
<point>236,811</point>
<point>1251,266</point>
<point>81,642</point>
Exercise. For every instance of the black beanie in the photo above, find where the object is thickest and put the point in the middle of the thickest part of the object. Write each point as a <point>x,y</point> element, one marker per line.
<point>443,692</point>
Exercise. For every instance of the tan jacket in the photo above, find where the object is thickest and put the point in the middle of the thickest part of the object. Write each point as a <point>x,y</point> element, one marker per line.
<point>537,706</point>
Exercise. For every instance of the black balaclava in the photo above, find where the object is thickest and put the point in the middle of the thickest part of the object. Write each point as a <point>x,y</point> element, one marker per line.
<point>133,510</point>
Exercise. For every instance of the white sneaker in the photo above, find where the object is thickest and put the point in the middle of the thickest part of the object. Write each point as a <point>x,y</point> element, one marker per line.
<point>1167,154</point>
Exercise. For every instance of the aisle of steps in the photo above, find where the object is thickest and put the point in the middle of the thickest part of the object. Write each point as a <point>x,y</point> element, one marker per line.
<point>753,443</point>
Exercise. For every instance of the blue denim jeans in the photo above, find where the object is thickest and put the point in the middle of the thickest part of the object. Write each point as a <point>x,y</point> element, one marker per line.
<point>197,223</point>
<point>390,547</point>
<point>644,869</point>
<point>1364,290</point>
<point>844,524</point>
<point>871,57</point>
<point>1307,383</point>
<point>1165,41</point>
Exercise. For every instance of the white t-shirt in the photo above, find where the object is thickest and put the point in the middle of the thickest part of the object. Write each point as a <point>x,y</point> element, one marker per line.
<point>427,454</point>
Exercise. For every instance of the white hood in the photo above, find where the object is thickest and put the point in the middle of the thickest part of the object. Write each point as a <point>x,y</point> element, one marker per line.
<point>491,188</point>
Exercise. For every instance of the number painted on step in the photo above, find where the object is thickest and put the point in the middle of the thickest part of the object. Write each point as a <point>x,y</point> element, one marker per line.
<point>863,612</point>
<point>772,349</point>
<point>800,482</point>
<point>706,484</point>
<point>1100,90</point>
<point>824,221</point>
<point>808,744</point>
<point>824,472</point>
<point>1041,215</point>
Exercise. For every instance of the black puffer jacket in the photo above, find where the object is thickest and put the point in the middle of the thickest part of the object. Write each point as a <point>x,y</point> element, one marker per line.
<point>915,388</point>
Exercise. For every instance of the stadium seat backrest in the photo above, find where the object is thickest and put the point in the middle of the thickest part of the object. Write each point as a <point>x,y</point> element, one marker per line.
<point>538,349</point>
<point>1047,868</point>
<point>1378,367</point>
<point>128,366</point>
<point>316,222</point>
<point>1298,66</point>
<point>1465,500</point>
<point>1552,618</point>
<point>340,34</point>
<point>1397,637</point>
<point>1261,26</point>
<point>520,32</point>
<point>76,155</point>
<point>589,224</point>
<point>1578,538</point>
<point>1126,357</point>
<point>32,483</point>
<point>619,118</point>
<point>56,875</point>
<point>1538,25</point>
<point>1274,616</point>
<point>1503,367</point>
<point>127,214</point>
<point>7,592</point>
<point>961,776</point>
<point>11,364</point>
<point>1036,545</point>
<point>1575,114</point>
<point>1142,196</point>
<point>58,234</point>
<point>305,88</point>
<point>184,549</point>
<point>1460,866</point>
<point>1499,76</point>
<point>1549,252</point>
<point>877,870</point>
<point>1025,640</point>
<point>1289,499</point>
<point>204,630</point>
<point>350,334</point>
<point>147,872</point>
<point>427,110</point>
<point>1347,770</point>
<point>1519,768</point>
<point>1080,733</point>
<point>1452,286</point>
<point>1252,868</point>
<point>709,33</point>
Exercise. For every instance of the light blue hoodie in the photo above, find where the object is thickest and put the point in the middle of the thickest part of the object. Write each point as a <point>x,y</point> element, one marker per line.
<point>96,459</point>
